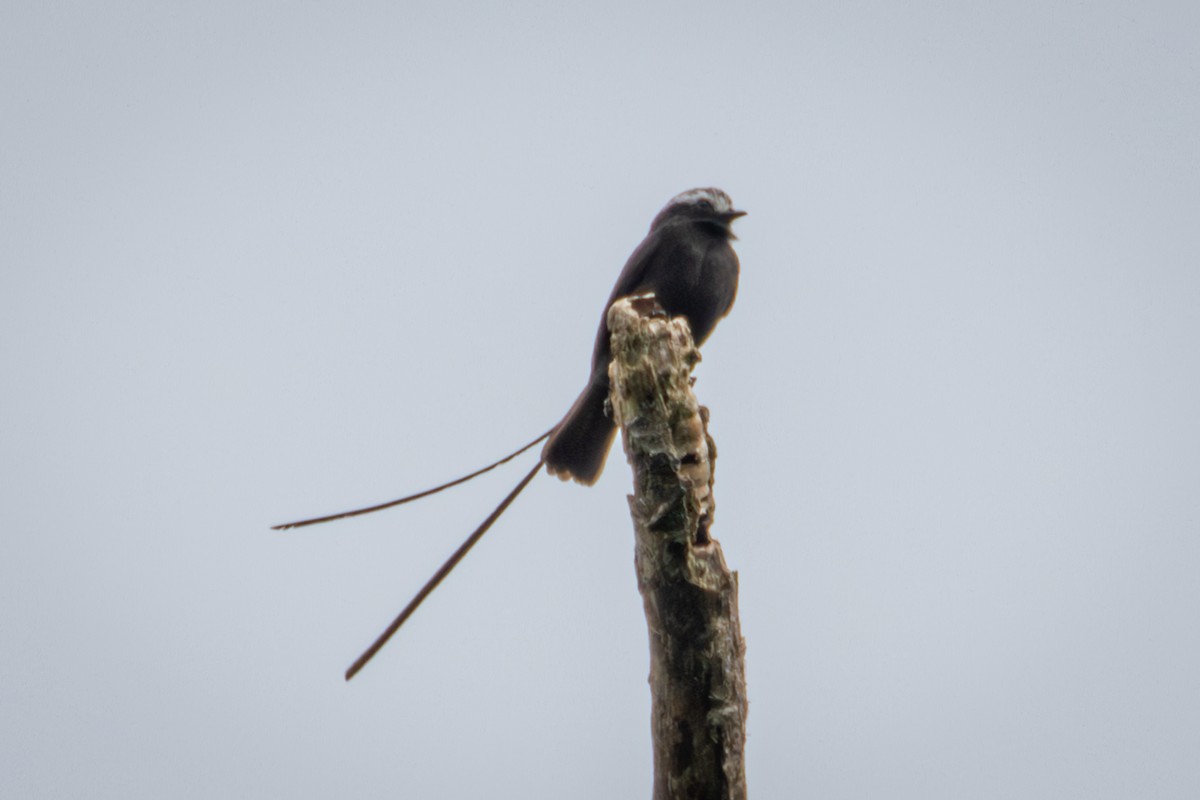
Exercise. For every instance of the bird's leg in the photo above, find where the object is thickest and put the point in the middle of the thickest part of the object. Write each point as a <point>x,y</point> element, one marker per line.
<point>647,305</point>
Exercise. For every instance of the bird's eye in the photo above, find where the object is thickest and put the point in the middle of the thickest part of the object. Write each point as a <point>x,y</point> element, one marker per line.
<point>706,205</point>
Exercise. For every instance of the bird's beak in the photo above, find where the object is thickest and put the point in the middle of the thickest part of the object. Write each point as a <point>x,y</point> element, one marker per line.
<point>728,217</point>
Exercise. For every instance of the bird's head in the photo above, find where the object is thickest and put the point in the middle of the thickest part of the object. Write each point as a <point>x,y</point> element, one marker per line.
<point>710,207</point>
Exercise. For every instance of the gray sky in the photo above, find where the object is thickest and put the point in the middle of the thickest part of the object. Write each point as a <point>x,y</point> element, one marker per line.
<point>259,261</point>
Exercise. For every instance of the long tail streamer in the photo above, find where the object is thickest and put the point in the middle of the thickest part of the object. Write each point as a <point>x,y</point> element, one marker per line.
<point>442,572</point>
<point>343,515</point>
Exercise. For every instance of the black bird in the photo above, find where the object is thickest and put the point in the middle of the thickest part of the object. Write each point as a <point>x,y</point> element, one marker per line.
<point>688,263</point>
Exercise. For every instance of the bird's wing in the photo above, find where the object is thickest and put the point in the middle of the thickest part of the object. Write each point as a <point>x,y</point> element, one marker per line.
<point>633,276</point>
<point>631,280</point>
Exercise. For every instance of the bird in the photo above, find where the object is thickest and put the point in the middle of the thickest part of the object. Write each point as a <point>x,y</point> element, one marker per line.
<point>688,263</point>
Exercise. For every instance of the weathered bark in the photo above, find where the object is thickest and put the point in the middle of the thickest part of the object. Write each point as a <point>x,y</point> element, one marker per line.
<point>697,679</point>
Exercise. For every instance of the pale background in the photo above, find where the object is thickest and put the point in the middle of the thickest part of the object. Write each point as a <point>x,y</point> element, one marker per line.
<point>267,260</point>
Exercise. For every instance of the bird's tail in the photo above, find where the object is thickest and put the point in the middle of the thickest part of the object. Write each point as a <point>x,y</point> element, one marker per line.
<point>409,498</point>
<point>578,446</point>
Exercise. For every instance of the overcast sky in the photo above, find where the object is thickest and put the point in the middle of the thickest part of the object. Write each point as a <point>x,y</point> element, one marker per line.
<point>268,260</point>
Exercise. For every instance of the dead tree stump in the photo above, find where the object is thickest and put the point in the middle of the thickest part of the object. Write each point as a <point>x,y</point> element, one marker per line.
<point>697,678</point>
